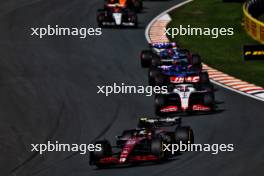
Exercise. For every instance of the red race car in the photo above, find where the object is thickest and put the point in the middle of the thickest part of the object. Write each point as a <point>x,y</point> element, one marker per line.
<point>143,144</point>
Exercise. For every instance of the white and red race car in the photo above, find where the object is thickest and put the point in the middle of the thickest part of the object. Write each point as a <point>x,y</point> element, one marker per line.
<point>185,98</point>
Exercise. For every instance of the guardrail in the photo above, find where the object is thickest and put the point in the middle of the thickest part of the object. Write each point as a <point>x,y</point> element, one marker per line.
<point>255,28</point>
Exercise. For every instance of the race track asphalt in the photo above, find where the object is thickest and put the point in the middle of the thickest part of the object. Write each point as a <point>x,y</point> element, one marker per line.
<point>48,91</point>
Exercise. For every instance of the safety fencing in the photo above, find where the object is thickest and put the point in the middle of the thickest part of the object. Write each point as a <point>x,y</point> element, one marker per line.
<point>252,10</point>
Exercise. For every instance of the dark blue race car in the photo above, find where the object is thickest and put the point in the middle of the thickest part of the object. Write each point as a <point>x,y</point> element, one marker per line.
<point>167,54</point>
<point>177,70</point>
<point>178,73</point>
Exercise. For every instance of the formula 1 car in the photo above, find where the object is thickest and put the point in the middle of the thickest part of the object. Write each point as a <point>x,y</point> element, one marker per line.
<point>178,73</point>
<point>116,16</point>
<point>185,98</point>
<point>167,54</point>
<point>135,5</point>
<point>143,144</point>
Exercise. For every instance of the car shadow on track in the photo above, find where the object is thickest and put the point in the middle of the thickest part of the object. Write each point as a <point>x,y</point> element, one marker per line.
<point>138,165</point>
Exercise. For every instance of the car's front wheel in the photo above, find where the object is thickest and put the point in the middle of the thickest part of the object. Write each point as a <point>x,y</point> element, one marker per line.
<point>153,74</point>
<point>145,58</point>
<point>159,102</point>
<point>106,150</point>
<point>184,135</point>
<point>157,148</point>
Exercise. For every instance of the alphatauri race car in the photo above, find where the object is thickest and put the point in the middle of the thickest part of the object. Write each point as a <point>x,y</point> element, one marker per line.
<point>143,144</point>
<point>135,5</point>
<point>116,16</point>
<point>185,98</point>
<point>178,73</point>
<point>167,54</point>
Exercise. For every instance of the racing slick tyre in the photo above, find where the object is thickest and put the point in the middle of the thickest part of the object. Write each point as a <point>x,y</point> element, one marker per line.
<point>204,78</point>
<point>206,87</point>
<point>106,150</point>
<point>160,80</point>
<point>100,21</point>
<point>146,58</point>
<point>153,73</point>
<point>136,24</point>
<point>157,148</point>
<point>138,5</point>
<point>208,99</point>
<point>196,60</point>
<point>159,102</point>
<point>170,87</point>
<point>100,18</point>
<point>184,135</point>
<point>133,19</point>
<point>155,62</point>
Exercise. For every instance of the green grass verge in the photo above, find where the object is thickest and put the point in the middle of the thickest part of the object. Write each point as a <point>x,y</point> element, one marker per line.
<point>225,52</point>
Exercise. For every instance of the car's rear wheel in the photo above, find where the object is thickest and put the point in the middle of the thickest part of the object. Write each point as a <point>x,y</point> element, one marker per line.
<point>206,87</point>
<point>208,99</point>
<point>146,58</point>
<point>196,60</point>
<point>204,78</point>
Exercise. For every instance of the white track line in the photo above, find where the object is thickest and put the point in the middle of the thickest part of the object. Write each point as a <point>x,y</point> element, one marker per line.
<point>160,15</point>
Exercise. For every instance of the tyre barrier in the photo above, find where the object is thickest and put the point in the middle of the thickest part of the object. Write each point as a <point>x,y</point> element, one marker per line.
<point>252,9</point>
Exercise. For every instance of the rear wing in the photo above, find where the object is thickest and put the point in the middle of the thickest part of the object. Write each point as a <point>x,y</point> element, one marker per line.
<point>163,45</point>
<point>115,5</point>
<point>159,122</point>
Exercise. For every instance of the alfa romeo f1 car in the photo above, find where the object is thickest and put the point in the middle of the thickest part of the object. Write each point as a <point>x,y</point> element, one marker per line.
<point>178,73</point>
<point>135,5</point>
<point>143,144</point>
<point>167,54</point>
<point>116,16</point>
<point>185,98</point>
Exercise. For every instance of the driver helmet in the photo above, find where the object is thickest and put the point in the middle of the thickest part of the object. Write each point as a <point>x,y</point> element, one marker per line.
<point>143,132</point>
